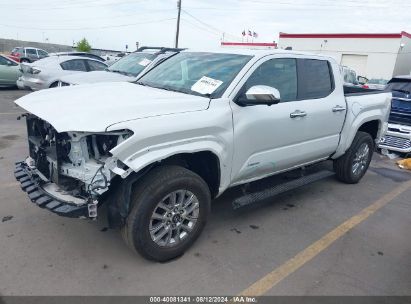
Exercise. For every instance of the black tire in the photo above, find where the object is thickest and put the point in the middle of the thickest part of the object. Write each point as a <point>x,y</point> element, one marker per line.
<point>146,195</point>
<point>24,60</point>
<point>343,166</point>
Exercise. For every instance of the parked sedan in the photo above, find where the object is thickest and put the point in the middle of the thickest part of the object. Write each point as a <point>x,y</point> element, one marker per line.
<point>27,54</point>
<point>9,72</point>
<point>45,73</point>
<point>129,68</point>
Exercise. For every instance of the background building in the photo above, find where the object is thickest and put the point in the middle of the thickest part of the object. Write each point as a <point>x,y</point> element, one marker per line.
<point>250,45</point>
<point>370,55</point>
<point>6,45</point>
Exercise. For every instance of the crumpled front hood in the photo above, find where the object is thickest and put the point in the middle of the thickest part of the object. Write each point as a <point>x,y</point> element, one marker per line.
<point>94,107</point>
<point>94,77</point>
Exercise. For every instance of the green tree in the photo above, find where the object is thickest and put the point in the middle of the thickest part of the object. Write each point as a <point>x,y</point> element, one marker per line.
<point>83,45</point>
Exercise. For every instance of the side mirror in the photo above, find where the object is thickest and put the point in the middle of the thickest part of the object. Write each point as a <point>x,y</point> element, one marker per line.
<point>261,94</point>
<point>362,80</point>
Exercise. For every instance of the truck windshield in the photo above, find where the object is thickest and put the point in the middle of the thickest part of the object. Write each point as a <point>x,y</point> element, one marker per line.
<point>132,64</point>
<point>196,73</point>
<point>399,85</point>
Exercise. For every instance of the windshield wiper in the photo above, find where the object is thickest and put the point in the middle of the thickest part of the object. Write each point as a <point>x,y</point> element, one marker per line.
<point>120,72</point>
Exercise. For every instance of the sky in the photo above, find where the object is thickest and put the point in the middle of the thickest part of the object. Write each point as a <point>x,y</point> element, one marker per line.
<point>113,24</point>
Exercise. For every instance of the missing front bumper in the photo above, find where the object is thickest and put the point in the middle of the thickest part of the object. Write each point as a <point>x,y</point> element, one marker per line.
<point>30,183</point>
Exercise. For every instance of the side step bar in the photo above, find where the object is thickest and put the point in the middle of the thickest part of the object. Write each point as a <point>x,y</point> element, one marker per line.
<point>280,188</point>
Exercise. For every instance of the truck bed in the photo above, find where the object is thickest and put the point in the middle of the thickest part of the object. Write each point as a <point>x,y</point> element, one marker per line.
<point>351,90</point>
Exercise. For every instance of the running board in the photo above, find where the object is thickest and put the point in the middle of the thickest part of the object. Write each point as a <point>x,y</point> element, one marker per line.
<point>280,188</point>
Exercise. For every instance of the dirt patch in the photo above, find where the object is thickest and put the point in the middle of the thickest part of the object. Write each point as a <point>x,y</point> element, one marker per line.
<point>235,230</point>
<point>3,144</point>
<point>10,137</point>
<point>4,140</point>
<point>6,218</point>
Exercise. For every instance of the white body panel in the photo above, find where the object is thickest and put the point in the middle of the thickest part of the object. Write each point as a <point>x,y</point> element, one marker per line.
<point>78,109</point>
<point>95,76</point>
<point>250,142</point>
<point>51,71</point>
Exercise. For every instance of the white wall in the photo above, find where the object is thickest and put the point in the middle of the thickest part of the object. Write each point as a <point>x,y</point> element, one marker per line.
<point>381,52</point>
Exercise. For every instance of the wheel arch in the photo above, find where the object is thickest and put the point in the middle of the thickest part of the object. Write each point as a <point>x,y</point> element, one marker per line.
<point>370,125</point>
<point>204,163</point>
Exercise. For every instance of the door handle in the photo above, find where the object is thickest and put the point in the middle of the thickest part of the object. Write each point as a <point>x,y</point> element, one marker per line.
<point>298,113</point>
<point>338,108</point>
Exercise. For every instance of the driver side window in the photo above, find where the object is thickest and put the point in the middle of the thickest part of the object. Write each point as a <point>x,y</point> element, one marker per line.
<point>278,73</point>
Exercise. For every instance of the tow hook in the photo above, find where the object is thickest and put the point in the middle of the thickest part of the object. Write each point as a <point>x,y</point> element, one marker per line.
<point>92,209</point>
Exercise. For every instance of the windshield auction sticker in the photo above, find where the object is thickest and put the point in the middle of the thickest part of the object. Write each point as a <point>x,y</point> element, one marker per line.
<point>145,62</point>
<point>206,85</point>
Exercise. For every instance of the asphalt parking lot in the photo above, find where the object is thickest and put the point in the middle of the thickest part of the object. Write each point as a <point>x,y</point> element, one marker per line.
<point>327,238</point>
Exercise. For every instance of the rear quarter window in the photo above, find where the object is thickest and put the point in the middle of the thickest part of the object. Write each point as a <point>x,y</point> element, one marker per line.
<point>315,79</point>
<point>42,53</point>
<point>96,65</point>
<point>74,65</point>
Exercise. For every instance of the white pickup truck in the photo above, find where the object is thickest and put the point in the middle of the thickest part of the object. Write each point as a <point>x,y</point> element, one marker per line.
<point>157,151</point>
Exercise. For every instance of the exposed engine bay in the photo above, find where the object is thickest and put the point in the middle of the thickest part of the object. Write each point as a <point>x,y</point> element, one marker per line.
<point>79,163</point>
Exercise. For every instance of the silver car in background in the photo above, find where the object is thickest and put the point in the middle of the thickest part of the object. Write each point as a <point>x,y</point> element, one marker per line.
<point>46,72</point>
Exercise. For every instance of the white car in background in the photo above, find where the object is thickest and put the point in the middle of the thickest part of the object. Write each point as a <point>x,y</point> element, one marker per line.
<point>129,68</point>
<point>46,72</point>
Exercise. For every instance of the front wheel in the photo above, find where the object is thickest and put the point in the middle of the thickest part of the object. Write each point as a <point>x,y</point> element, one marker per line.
<point>351,167</point>
<point>170,207</point>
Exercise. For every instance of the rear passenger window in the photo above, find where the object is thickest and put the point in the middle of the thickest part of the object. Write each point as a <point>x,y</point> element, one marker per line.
<point>314,79</point>
<point>42,53</point>
<point>74,65</point>
<point>96,65</point>
<point>31,52</point>
<point>278,73</point>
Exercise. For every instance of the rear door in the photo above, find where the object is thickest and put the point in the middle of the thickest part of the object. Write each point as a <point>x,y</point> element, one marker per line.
<point>302,128</point>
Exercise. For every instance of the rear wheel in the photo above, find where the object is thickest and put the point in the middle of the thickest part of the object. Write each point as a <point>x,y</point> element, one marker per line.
<point>351,167</point>
<point>170,207</point>
<point>24,60</point>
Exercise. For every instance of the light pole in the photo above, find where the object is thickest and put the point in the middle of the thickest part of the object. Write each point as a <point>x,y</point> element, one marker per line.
<point>178,22</point>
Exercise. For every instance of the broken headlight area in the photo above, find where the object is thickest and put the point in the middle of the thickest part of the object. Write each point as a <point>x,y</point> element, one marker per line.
<point>80,163</point>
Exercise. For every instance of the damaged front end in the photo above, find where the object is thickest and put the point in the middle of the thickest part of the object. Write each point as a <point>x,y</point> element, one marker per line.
<point>69,172</point>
